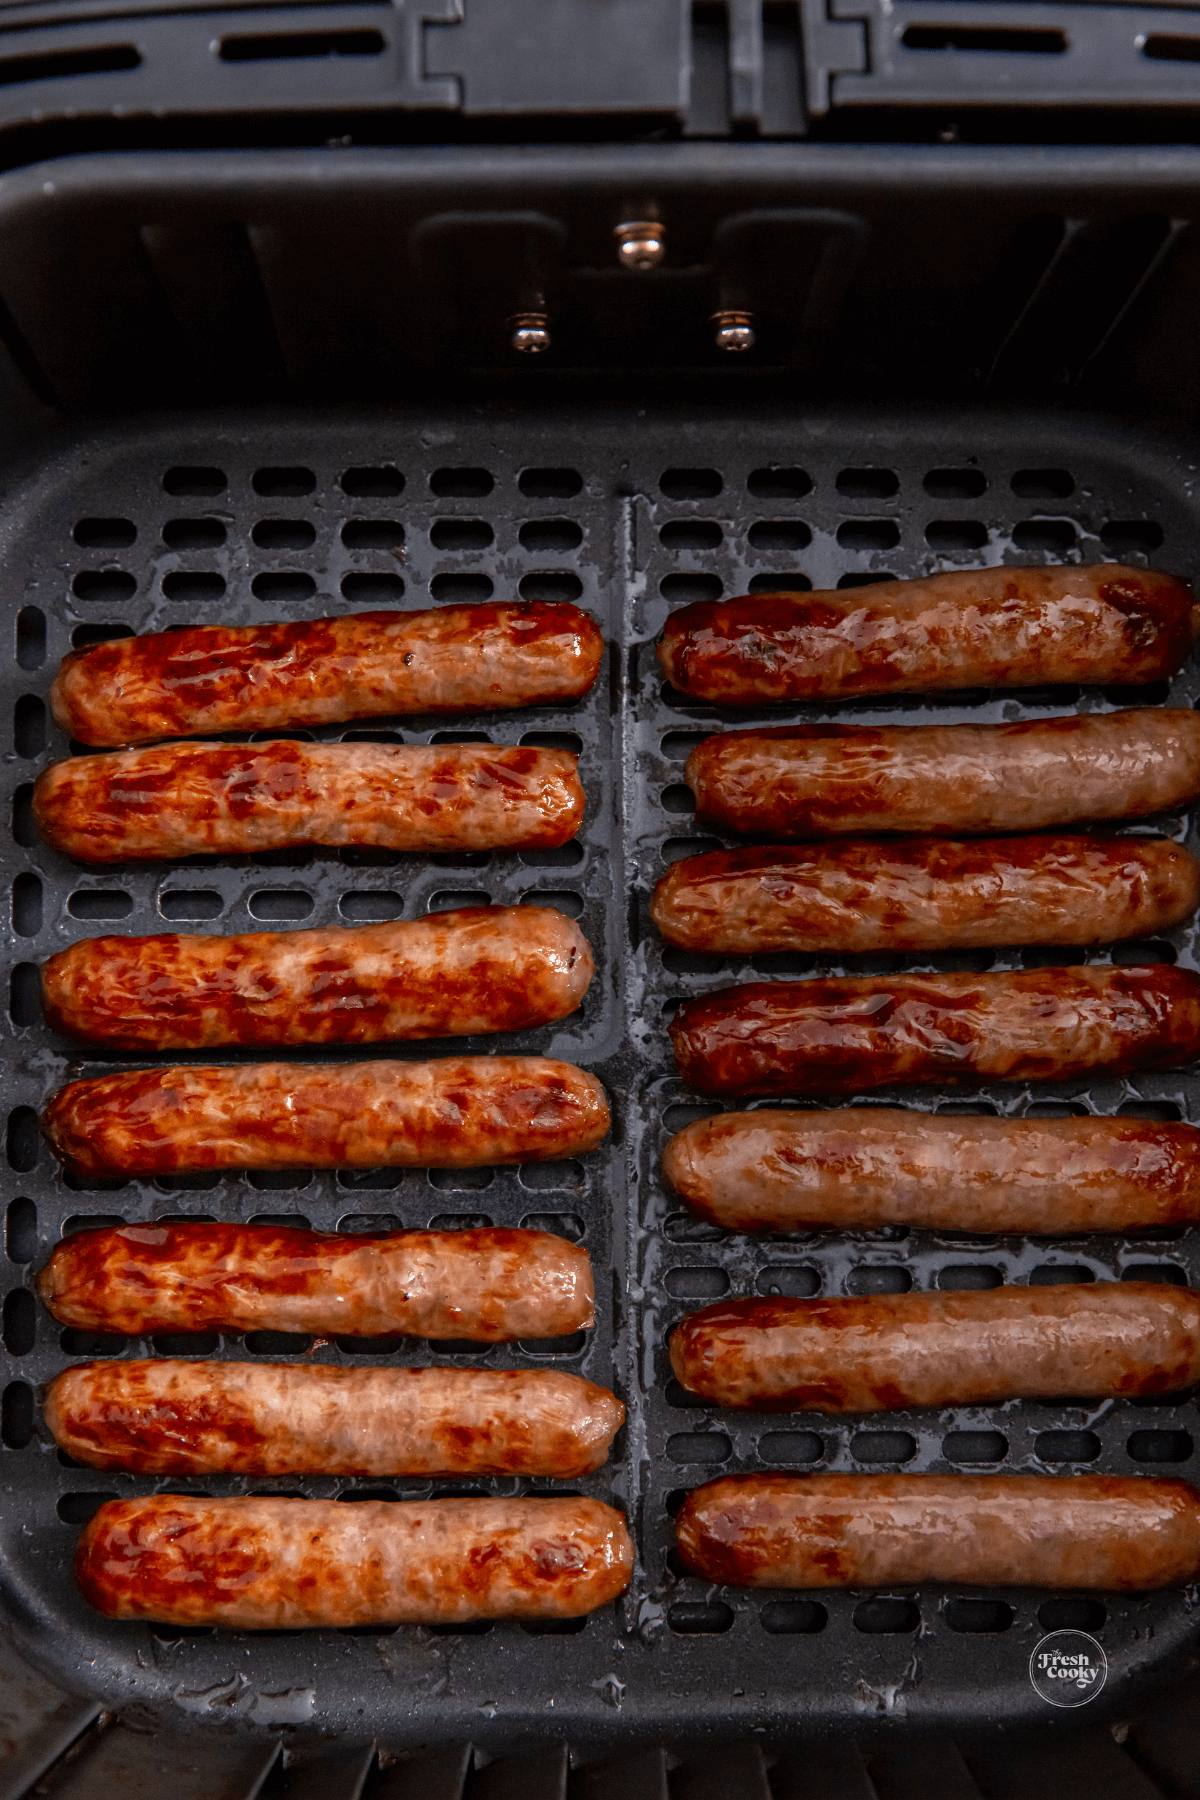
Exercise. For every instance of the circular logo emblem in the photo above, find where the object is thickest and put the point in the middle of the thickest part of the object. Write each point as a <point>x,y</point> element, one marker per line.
<point>1068,1668</point>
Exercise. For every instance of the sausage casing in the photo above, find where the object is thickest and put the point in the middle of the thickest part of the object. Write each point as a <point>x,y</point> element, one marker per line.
<point>214,678</point>
<point>812,1531</point>
<point>226,799</point>
<point>490,1285</point>
<point>267,1564</point>
<point>847,1035</point>
<point>991,628</point>
<point>480,968</point>
<point>885,1352</point>
<point>457,1112</point>
<point>188,1418</point>
<point>831,780</point>
<point>863,1167</point>
<point>926,894</point>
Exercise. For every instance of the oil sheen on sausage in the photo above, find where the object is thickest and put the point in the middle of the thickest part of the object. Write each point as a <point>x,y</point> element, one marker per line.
<point>212,678</point>
<point>491,1285</point>
<point>457,1112</point>
<point>227,799</point>
<point>1125,1533</point>
<point>886,1352</point>
<point>843,1036</point>
<point>926,894</point>
<point>478,969</point>
<point>859,1168</point>
<point>273,1564</point>
<point>996,628</point>
<point>833,780</point>
<point>196,1418</point>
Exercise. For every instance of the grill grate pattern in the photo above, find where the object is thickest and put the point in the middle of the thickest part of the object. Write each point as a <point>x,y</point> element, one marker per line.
<point>633,516</point>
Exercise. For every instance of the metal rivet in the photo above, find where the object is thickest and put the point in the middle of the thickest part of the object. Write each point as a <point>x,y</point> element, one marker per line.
<point>733,330</point>
<point>530,332</point>
<point>641,243</point>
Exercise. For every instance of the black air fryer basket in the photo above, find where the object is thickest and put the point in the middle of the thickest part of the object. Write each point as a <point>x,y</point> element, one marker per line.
<point>263,275</point>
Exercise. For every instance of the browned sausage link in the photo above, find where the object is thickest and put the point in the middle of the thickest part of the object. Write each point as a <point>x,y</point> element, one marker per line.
<point>317,671</point>
<point>851,1035</point>
<point>888,1351</point>
<point>491,1285</point>
<point>495,968</point>
<point>811,1531</point>
<point>458,1112</point>
<point>224,799</point>
<point>977,628</point>
<point>832,780</point>
<point>262,1564</point>
<point>863,1167</point>
<point>927,894</point>
<point>183,1418</point>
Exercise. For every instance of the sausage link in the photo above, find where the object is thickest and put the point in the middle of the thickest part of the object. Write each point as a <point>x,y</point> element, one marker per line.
<point>830,780</point>
<point>885,1352</point>
<point>927,894</point>
<point>843,1036</point>
<point>188,1418</point>
<point>863,1167</point>
<point>996,628</point>
<point>1122,1533</point>
<point>226,799</point>
<point>489,1285</point>
<point>482,968</point>
<point>212,678</point>
<point>459,1112</point>
<point>266,1564</point>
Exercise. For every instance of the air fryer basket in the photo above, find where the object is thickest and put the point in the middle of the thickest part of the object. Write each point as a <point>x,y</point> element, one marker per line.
<point>632,510</point>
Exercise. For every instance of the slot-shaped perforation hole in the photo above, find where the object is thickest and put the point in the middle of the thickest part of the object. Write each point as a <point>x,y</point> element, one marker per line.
<point>461,484</point>
<point>685,589</point>
<point>868,484</point>
<point>956,537</point>
<point>691,534</point>
<point>555,856</point>
<point>105,534</point>
<point>375,587</point>
<point>462,1181</point>
<point>563,1176</point>
<point>283,587</point>
<point>31,637</point>
<point>883,1446</point>
<point>193,586</point>
<point>27,905</point>
<point>975,1446</point>
<point>100,903</point>
<point>190,903</point>
<point>1131,537</point>
<point>1045,537</point>
<point>85,636</point>
<point>885,1617</point>
<point>20,1230</point>
<point>460,589</point>
<point>978,1615</point>
<point>559,898</point>
<point>23,1139</point>
<point>779,484</point>
<point>551,585</point>
<point>797,1281</point>
<point>955,484</point>
<point>280,903</point>
<point>371,906</point>
<point>701,1447</point>
<point>868,534</point>
<point>691,484</point>
<point>25,996</point>
<point>16,1415</point>
<point>779,534</point>
<point>793,1618</point>
<point>372,534</point>
<point>1066,1446</point>
<point>550,484</point>
<point>1160,1446</point>
<point>284,534</point>
<point>560,1224</point>
<point>193,534</point>
<point>19,1328</point>
<point>283,483</point>
<point>113,585</point>
<point>1072,1612</point>
<point>1043,484</point>
<point>708,1283</point>
<point>461,534</point>
<point>879,1278</point>
<point>776,583</point>
<point>382,483</point>
<point>194,482</point>
<point>77,1509</point>
<point>700,1618</point>
<point>790,1449</point>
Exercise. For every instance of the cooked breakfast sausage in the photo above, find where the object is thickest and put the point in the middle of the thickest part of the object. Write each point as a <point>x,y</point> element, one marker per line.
<point>193,1418</point>
<point>1124,1533</point>
<point>481,968</point>
<point>864,1167</point>
<point>225,799</point>
<point>840,1036</point>
<point>996,628</point>
<point>927,894</point>
<point>458,1112</point>
<point>490,1285</point>
<point>831,780</point>
<point>267,1564</point>
<point>211,678</point>
<point>885,1352</point>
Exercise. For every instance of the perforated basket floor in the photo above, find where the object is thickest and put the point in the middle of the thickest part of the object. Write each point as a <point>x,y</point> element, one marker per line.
<point>241,518</point>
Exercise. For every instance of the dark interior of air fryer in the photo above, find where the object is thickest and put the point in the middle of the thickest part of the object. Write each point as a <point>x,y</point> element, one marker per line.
<point>277,381</point>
